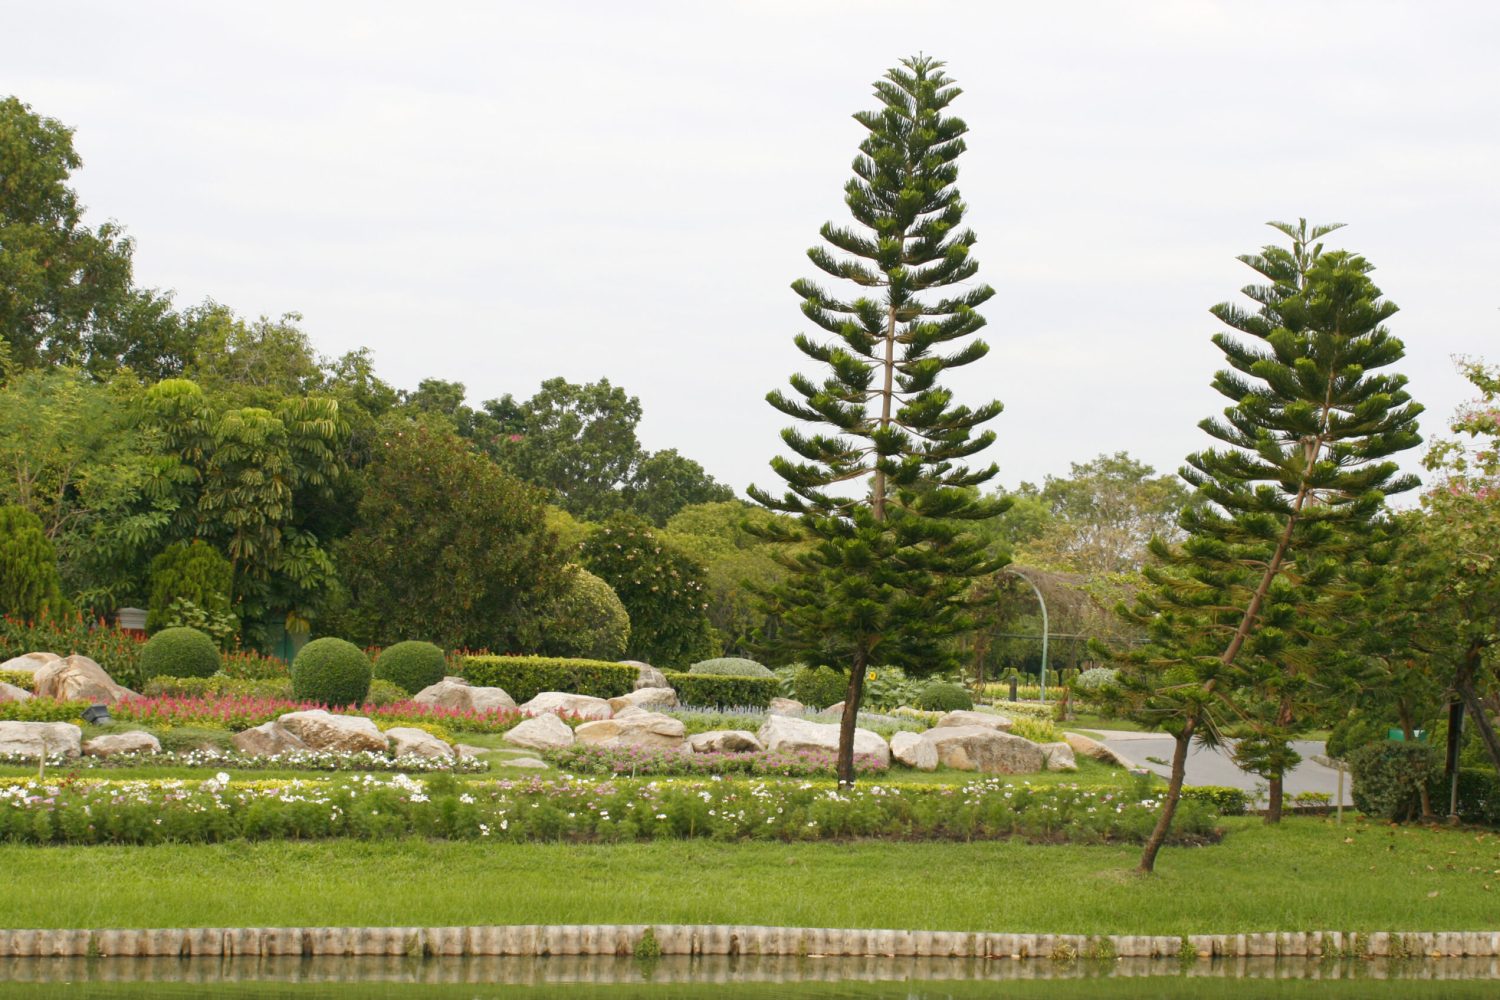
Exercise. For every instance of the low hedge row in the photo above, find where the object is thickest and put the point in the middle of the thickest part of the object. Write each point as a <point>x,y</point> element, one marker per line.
<point>724,692</point>
<point>524,677</point>
<point>42,710</point>
<point>22,679</point>
<point>1226,801</point>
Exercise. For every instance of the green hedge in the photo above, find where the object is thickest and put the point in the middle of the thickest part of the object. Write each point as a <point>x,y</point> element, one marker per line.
<point>1478,795</point>
<point>724,692</point>
<point>524,677</point>
<point>1225,800</point>
<point>1386,778</point>
<point>42,710</point>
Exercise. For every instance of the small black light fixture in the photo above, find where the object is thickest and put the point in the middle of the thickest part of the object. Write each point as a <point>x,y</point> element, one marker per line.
<point>97,715</point>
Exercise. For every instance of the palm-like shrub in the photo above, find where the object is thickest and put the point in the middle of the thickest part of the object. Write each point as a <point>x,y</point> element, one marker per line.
<point>180,652</point>
<point>730,666</point>
<point>412,665</point>
<point>332,671</point>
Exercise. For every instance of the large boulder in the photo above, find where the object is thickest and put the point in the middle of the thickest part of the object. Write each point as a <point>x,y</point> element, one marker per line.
<point>419,742</point>
<point>913,751</point>
<point>1084,746</point>
<point>9,692</point>
<point>652,697</point>
<point>545,732</point>
<point>981,748</point>
<point>837,709</point>
<point>115,743</point>
<point>322,730</point>
<point>987,719</point>
<point>724,741</point>
<point>79,678</point>
<point>638,729</point>
<point>267,740</point>
<point>29,662</point>
<point>457,694</point>
<point>1059,757</point>
<point>782,732</point>
<point>40,739</point>
<point>786,706</point>
<point>647,676</point>
<point>560,702</point>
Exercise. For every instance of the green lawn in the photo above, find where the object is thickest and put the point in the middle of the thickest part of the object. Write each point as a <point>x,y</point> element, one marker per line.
<point>1303,875</point>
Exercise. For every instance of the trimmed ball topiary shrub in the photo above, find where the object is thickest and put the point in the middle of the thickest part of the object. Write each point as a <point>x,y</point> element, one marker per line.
<point>819,687</point>
<point>412,665</point>
<point>180,652</point>
<point>942,696</point>
<point>730,666</point>
<point>332,671</point>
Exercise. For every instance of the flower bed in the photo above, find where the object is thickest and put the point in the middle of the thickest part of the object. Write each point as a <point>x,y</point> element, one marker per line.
<point>87,811</point>
<point>586,758</point>
<point>292,760</point>
<point>241,712</point>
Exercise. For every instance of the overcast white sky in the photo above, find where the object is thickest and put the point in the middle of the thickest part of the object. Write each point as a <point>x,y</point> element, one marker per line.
<point>497,193</point>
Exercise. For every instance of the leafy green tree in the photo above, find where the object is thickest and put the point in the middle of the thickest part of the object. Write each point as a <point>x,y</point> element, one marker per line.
<point>884,575</point>
<point>664,482</point>
<point>586,621</point>
<point>661,589</point>
<point>193,572</point>
<point>735,560</point>
<point>29,584</point>
<point>448,546</point>
<point>1304,463</point>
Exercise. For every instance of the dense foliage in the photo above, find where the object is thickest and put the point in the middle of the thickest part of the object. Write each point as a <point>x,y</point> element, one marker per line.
<point>661,589</point>
<point>731,691</point>
<point>818,687</point>
<point>192,572</point>
<point>29,582</point>
<point>586,621</point>
<point>179,652</point>
<point>524,677</point>
<point>412,665</point>
<point>730,666</point>
<point>332,671</point>
<point>941,696</point>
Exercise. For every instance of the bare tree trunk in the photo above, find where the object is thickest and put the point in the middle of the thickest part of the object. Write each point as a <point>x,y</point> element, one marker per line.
<point>1463,683</point>
<point>848,719</point>
<point>1169,807</point>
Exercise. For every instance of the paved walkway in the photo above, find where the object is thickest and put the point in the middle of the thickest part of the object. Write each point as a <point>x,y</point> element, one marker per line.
<point>1206,766</point>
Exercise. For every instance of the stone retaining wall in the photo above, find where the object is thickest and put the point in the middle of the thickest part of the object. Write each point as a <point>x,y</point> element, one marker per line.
<point>718,939</point>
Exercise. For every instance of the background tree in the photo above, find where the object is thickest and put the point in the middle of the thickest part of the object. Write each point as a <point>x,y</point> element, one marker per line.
<point>191,572</point>
<point>29,584</point>
<point>661,589</point>
<point>883,578</point>
<point>586,621</point>
<point>1304,463</point>
<point>735,560</point>
<point>449,548</point>
<point>664,482</point>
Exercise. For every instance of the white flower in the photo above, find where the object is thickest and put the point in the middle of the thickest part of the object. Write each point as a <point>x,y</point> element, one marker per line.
<point>221,778</point>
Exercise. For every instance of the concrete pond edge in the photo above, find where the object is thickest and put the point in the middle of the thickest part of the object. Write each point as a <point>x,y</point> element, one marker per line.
<point>632,940</point>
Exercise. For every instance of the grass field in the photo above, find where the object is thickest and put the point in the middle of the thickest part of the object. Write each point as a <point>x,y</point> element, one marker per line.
<point>1307,875</point>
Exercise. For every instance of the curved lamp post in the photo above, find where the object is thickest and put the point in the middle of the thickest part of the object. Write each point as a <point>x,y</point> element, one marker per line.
<point>1045,628</point>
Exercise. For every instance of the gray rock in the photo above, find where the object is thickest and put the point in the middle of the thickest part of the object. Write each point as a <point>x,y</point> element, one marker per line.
<point>837,708</point>
<point>465,750</point>
<point>113,743</point>
<point>987,719</point>
<point>79,678</point>
<point>782,732</point>
<point>545,732</point>
<point>786,706</point>
<point>410,740</point>
<point>1059,757</point>
<point>637,729</point>
<point>40,739</point>
<point>980,748</point>
<point>650,697</point>
<point>913,751</point>
<point>266,740</point>
<point>558,702</point>
<point>322,730</point>
<point>647,676</point>
<point>526,763</point>
<point>9,692</point>
<point>457,694</point>
<point>29,662</point>
<point>724,740</point>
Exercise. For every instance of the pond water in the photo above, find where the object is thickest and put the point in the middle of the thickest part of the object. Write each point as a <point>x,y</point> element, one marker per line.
<point>744,979</point>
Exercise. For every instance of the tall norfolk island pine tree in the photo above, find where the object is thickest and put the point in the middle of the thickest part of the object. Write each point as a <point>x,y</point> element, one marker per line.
<point>1305,465</point>
<point>881,492</point>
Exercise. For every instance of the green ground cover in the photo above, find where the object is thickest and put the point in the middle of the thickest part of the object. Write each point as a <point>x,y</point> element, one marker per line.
<point>1308,874</point>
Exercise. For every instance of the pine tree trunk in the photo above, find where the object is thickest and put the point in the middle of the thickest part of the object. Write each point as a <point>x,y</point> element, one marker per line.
<point>848,719</point>
<point>1463,683</point>
<point>1274,796</point>
<point>1169,807</point>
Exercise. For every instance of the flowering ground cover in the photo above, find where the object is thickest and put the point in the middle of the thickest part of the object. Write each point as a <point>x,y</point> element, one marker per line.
<point>586,758</point>
<point>91,811</point>
<point>292,760</point>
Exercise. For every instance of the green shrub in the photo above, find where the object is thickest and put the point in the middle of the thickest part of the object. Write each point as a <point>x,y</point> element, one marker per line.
<point>1478,794</point>
<point>1094,680</point>
<point>524,677</point>
<point>29,581</point>
<point>1388,777</point>
<point>180,652</point>
<point>819,687</point>
<point>1351,734</point>
<point>23,679</point>
<point>730,666</point>
<point>661,588</point>
<point>332,671</point>
<point>191,572</point>
<point>218,685</point>
<point>587,622</point>
<point>724,691</point>
<point>384,692</point>
<point>941,696</point>
<point>411,665</point>
<point>1035,730</point>
<point>42,710</point>
<point>1226,801</point>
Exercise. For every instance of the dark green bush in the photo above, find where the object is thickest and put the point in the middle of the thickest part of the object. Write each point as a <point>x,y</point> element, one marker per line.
<point>724,692</point>
<point>384,692</point>
<point>524,677</point>
<point>180,652</point>
<point>941,696</point>
<point>1226,801</point>
<point>1388,777</point>
<point>332,671</point>
<point>194,572</point>
<point>218,685</point>
<point>411,665</point>
<point>29,581</point>
<point>1478,794</point>
<point>819,687</point>
<point>1351,734</point>
<point>730,666</point>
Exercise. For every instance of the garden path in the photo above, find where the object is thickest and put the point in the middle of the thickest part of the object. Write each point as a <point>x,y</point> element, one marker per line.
<point>1215,766</point>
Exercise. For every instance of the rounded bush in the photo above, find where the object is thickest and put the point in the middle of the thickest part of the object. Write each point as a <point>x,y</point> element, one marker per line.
<point>942,696</point>
<point>1388,777</point>
<point>411,665</point>
<point>1094,679</point>
<point>384,692</point>
<point>332,671</point>
<point>180,652</point>
<point>819,686</point>
<point>730,666</point>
